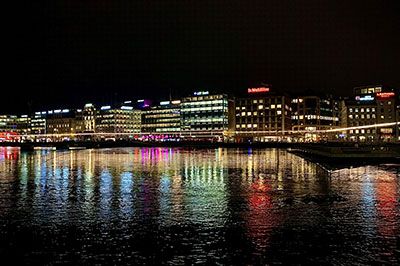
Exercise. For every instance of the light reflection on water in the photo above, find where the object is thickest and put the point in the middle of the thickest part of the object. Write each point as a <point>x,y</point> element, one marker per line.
<point>171,205</point>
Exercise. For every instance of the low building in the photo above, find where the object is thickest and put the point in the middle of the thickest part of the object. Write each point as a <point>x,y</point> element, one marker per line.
<point>124,119</point>
<point>313,114</point>
<point>86,118</point>
<point>62,122</point>
<point>162,121</point>
<point>37,123</point>
<point>205,116</point>
<point>372,105</point>
<point>262,115</point>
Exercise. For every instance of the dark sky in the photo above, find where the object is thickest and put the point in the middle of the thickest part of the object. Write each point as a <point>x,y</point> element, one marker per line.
<point>72,52</point>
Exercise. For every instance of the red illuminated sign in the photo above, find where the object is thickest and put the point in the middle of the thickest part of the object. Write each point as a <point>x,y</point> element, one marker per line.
<point>257,90</point>
<point>385,94</point>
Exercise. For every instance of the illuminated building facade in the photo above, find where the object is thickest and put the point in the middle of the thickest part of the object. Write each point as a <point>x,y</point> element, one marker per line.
<point>61,121</point>
<point>87,118</point>
<point>372,105</point>
<point>262,115</point>
<point>22,125</point>
<point>8,123</point>
<point>206,116</point>
<point>37,123</point>
<point>313,113</point>
<point>163,119</point>
<point>124,119</point>
<point>15,124</point>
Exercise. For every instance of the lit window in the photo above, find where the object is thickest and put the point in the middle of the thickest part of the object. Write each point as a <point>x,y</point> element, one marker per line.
<point>260,107</point>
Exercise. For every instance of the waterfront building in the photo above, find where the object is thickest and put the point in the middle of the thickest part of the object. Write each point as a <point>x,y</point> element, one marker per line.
<point>372,105</point>
<point>62,121</point>
<point>123,119</point>
<point>262,115</point>
<point>37,124</point>
<point>15,124</point>
<point>162,121</point>
<point>87,118</point>
<point>8,123</point>
<point>205,115</point>
<point>313,113</point>
<point>22,125</point>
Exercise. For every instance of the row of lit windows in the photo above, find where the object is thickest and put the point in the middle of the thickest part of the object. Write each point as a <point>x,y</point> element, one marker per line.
<point>196,109</point>
<point>362,110</point>
<point>200,98</point>
<point>257,126</point>
<point>362,116</point>
<point>319,117</point>
<point>363,131</point>
<point>213,102</point>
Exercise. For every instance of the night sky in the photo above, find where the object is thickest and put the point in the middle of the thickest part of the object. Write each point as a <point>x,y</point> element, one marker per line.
<point>66,53</point>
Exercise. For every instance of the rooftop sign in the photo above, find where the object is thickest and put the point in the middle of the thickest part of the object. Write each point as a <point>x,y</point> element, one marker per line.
<point>365,98</point>
<point>257,90</point>
<point>199,93</point>
<point>384,95</point>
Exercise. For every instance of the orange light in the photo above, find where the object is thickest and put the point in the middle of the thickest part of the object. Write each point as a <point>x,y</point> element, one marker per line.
<point>257,90</point>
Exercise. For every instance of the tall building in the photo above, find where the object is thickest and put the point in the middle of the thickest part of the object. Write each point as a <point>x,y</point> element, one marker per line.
<point>124,119</point>
<point>372,105</point>
<point>311,114</point>
<point>206,116</point>
<point>262,115</point>
<point>162,121</point>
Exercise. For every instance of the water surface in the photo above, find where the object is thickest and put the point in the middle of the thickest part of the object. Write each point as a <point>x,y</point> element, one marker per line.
<point>205,206</point>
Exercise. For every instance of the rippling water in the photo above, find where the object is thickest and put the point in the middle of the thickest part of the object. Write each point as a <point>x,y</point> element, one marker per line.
<point>182,206</point>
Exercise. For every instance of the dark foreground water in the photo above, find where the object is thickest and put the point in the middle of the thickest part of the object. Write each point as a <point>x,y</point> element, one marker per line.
<point>180,206</point>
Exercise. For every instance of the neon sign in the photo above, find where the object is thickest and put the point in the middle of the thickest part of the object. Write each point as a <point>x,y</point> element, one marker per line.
<point>257,90</point>
<point>385,94</point>
<point>365,98</point>
<point>199,93</point>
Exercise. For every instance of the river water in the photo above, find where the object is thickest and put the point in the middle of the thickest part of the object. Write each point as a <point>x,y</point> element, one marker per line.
<point>194,206</point>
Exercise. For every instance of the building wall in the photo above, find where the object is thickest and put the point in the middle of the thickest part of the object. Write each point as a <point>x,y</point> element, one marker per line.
<point>205,115</point>
<point>261,116</point>
<point>162,119</point>
<point>118,121</point>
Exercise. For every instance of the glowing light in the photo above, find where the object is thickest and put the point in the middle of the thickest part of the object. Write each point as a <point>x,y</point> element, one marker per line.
<point>88,105</point>
<point>200,93</point>
<point>107,107</point>
<point>165,103</point>
<point>365,98</point>
<point>257,90</point>
<point>126,108</point>
<point>176,102</point>
<point>385,94</point>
